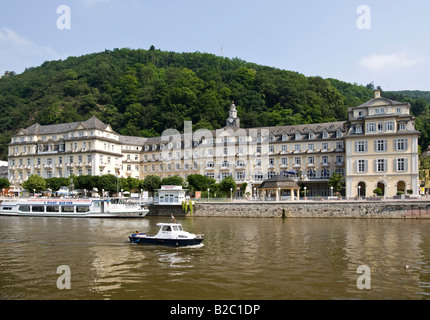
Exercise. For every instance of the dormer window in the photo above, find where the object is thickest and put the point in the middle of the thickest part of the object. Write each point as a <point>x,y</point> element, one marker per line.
<point>297,136</point>
<point>311,135</point>
<point>358,129</point>
<point>339,133</point>
<point>325,134</point>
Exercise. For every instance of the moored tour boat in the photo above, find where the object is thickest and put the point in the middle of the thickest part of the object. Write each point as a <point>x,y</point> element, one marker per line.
<point>169,234</point>
<point>51,207</point>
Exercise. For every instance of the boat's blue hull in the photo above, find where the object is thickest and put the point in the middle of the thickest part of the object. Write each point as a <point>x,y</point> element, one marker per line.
<point>165,242</point>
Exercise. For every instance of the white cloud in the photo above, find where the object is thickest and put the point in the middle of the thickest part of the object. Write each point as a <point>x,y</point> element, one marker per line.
<point>384,61</point>
<point>18,53</point>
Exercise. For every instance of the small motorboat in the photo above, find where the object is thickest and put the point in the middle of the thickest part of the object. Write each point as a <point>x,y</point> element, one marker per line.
<point>170,234</point>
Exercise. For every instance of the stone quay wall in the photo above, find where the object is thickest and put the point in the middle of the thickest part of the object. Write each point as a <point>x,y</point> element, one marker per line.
<point>316,209</point>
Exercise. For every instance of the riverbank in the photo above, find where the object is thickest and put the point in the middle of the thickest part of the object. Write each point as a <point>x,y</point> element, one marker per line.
<point>415,209</point>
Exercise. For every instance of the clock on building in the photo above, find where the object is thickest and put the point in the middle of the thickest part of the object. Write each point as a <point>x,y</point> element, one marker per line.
<point>233,120</point>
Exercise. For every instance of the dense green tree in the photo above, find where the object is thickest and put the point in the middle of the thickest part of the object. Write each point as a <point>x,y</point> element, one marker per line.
<point>226,185</point>
<point>56,183</point>
<point>34,182</point>
<point>4,183</point>
<point>198,182</point>
<point>336,181</point>
<point>151,183</point>
<point>172,181</point>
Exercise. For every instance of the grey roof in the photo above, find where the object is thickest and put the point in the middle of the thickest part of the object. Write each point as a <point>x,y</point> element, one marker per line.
<point>92,123</point>
<point>279,182</point>
<point>371,102</point>
<point>131,140</point>
<point>291,130</point>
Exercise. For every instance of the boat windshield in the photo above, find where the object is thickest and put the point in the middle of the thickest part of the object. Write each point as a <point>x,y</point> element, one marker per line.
<point>177,228</point>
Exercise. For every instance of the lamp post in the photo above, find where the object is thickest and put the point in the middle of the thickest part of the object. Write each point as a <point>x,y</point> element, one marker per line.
<point>208,193</point>
<point>331,191</point>
<point>359,192</point>
<point>34,193</point>
<point>231,194</point>
<point>306,198</point>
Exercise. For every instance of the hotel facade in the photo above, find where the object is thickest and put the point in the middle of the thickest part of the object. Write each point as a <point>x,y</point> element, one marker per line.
<point>377,147</point>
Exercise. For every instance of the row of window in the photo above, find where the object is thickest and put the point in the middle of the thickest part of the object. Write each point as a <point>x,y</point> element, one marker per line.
<point>310,174</point>
<point>271,138</point>
<point>381,165</point>
<point>67,136</point>
<point>240,163</point>
<point>373,127</point>
<point>381,145</point>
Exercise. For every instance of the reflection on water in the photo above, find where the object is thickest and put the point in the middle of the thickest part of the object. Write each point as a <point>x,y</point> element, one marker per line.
<point>240,258</point>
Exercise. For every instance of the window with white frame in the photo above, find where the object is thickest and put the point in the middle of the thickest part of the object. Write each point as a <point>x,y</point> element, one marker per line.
<point>360,146</point>
<point>361,166</point>
<point>380,145</point>
<point>371,127</point>
<point>240,175</point>
<point>401,164</point>
<point>381,165</point>
<point>389,126</point>
<point>401,144</point>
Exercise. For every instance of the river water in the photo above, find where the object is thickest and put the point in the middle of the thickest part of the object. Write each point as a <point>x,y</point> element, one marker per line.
<point>241,258</point>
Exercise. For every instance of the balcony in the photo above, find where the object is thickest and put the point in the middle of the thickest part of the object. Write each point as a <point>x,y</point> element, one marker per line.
<point>325,164</point>
<point>48,166</point>
<point>69,165</point>
<point>79,165</point>
<point>59,165</point>
<point>102,164</point>
<point>89,164</point>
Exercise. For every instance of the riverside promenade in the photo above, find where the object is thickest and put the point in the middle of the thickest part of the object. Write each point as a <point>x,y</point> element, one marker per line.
<point>384,208</point>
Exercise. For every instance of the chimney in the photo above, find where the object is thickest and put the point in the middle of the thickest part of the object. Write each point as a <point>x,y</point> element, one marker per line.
<point>377,93</point>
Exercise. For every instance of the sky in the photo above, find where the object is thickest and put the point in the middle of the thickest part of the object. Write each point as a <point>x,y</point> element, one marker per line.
<point>386,42</point>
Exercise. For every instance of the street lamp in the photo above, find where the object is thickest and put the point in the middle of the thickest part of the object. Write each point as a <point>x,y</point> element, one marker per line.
<point>359,192</point>
<point>305,194</point>
<point>331,191</point>
<point>231,194</point>
<point>208,193</point>
<point>34,193</point>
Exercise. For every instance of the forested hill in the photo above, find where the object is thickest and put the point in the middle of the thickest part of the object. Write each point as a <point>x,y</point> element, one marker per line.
<point>144,92</point>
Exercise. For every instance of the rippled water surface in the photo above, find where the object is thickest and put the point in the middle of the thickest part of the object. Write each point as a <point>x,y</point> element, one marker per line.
<point>241,258</point>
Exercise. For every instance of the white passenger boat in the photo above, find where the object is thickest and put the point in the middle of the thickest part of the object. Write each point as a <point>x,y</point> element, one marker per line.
<point>90,208</point>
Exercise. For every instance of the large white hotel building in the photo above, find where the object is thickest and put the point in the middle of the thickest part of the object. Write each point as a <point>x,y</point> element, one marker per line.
<point>376,147</point>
